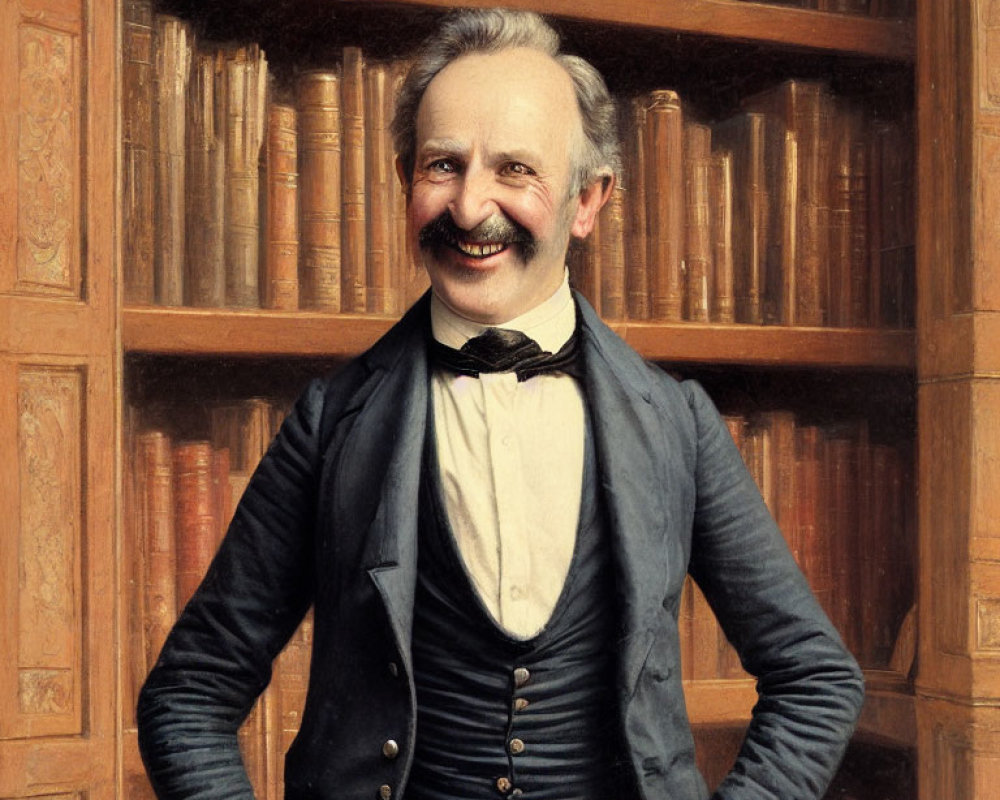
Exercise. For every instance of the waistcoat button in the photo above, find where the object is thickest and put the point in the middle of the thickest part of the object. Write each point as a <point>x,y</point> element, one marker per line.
<point>516,747</point>
<point>385,792</point>
<point>521,676</point>
<point>503,784</point>
<point>390,749</point>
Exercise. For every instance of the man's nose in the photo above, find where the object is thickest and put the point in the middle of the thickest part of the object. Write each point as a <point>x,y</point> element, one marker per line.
<point>474,200</point>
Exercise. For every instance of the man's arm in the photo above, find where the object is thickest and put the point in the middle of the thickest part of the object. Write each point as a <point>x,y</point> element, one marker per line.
<point>217,659</point>
<point>810,688</point>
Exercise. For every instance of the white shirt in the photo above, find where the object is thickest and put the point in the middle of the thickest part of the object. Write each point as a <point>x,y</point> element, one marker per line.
<point>511,462</point>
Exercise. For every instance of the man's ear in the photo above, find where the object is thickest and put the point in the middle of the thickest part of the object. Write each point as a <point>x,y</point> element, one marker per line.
<point>404,182</point>
<point>590,202</point>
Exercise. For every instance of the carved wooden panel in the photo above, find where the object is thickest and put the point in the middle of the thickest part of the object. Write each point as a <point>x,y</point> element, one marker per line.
<point>48,155</point>
<point>987,288</point>
<point>50,449</point>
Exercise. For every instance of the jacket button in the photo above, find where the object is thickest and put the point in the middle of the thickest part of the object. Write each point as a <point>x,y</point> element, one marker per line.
<point>520,704</point>
<point>503,784</point>
<point>385,792</point>
<point>516,747</point>
<point>521,676</point>
<point>390,749</point>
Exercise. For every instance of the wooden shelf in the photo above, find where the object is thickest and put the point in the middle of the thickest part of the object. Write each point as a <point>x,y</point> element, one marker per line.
<point>189,331</point>
<point>891,39</point>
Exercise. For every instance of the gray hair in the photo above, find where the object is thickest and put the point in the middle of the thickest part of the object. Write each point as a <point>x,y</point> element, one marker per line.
<point>489,31</point>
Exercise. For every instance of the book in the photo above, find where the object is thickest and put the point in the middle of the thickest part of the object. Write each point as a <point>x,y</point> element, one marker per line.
<point>699,267</point>
<point>612,255</point>
<point>353,269</point>
<point>281,266</point>
<point>320,213</point>
<point>195,509</point>
<point>382,280</point>
<point>723,303</point>
<point>138,172</point>
<point>245,71</point>
<point>848,281</point>
<point>663,141</point>
<point>205,274</point>
<point>172,53</point>
<point>636,245</point>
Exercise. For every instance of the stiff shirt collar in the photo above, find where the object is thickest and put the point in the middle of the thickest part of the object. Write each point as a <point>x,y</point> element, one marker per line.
<point>551,323</point>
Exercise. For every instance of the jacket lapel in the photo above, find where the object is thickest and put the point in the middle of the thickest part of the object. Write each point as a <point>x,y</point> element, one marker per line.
<point>629,441</point>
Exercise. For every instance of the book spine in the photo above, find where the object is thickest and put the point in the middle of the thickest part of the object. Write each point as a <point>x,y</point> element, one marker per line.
<point>612,225</point>
<point>723,280</point>
<point>697,222</point>
<point>281,285</point>
<point>382,288</point>
<point>664,162</point>
<point>172,55</point>
<point>319,125</point>
<point>858,201</point>
<point>584,262</point>
<point>354,247</point>
<point>636,269</point>
<point>137,152</point>
<point>205,276</point>
<point>246,83</point>
<point>195,509</point>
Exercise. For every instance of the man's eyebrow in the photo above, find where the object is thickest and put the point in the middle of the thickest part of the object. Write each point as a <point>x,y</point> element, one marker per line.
<point>444,147</point>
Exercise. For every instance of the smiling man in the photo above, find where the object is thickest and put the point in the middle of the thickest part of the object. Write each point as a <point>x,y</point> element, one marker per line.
<point>493,510</point>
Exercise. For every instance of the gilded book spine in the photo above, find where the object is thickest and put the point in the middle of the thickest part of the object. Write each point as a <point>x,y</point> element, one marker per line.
<point>137,151</point>
<point>197,528</point>
<point>612,271</point>
<point>319,126</point>
<point>205,275</point>
<point>354,247</point>
<point>382,289</point>
<point>172,52</point>
<point>698,230</point>
<point>281,286</point>
<point>721,188</point>
<point>636,271</point>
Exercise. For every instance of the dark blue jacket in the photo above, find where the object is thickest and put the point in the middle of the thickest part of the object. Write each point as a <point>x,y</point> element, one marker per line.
<point>330,518</point>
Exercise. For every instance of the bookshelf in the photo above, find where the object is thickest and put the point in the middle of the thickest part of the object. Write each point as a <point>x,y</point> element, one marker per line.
<point>74,356</point>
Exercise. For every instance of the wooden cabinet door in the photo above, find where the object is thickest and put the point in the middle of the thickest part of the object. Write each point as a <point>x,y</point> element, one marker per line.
<point>57,399</point>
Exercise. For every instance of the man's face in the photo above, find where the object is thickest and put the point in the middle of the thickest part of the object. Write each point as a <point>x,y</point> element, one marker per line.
<point>489,204</point>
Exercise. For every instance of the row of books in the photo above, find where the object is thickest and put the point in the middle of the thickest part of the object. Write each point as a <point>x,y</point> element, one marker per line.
<point>844,505</point>
<point>797,211</point>
<point>179,499</point>
<point>870,8</point>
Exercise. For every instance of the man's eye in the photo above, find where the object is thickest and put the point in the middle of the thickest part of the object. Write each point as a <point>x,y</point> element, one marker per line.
<point>517,168</point>
<point>444,165</point>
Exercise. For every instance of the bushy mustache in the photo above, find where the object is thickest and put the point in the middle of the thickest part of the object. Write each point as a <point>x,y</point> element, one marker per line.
<point>442,231</point>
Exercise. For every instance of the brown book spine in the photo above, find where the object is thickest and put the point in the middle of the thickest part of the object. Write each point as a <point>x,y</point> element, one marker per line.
<point>137,151</point>
<point>636,270</point>
<point>196,524</point>
<point>664,157</point>
<point>859,198</point>
<point>584,263</point>
<point>697,222</point>
<point>780,425</point>
<point>892,227</point>
<point>205,275</point>
<point>382,289</point>
<point>245,429</point>
<point>783,270</point>
<point>172,59</point>
<point>354,247</point>
<point>721,190</point>
<point>839,300</point>
<point>745,135</point>
<point>281,271</point>
<point>612,225</point>
<point>155,509</point>
<point>319,126</point>
<point>818,539</point>
<point>245,98</point>
<point>842,494</point>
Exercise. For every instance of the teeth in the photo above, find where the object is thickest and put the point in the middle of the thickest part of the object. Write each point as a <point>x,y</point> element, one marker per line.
<point>480,250</point>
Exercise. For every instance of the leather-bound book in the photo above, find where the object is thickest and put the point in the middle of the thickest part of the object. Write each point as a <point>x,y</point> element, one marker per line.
<point>196,526</point>
<point>154,509</point>
<point>636,270</point>
<point>818,539</point>
<point>697,222</point>
<point>780,426</point>
<point>319,154</point>
<point>584,263</point>
<point>354,248</point>
<point>172,70</point>
<point>721,197</point>
<point>281,266</point>
<point>664,167</point>
<point>245,429</point>
<point>382,289</point>
<point>804,107</point>
<point>205,272</point>
<point>245,99</point>
<point>137,151</point>
<point>745,136</point>
<point>612,247</point>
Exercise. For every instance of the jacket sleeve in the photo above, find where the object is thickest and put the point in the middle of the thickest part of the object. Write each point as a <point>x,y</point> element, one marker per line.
<point>217,659</point>
<point>809,687</point>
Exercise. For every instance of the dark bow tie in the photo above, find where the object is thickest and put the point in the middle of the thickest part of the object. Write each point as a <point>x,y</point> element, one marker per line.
<point>504,350</point>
